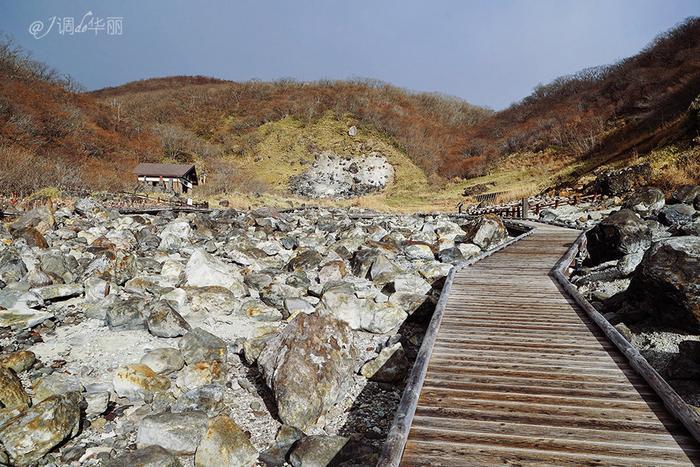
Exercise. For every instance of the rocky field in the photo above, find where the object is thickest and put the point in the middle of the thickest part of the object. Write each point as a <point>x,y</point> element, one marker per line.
<point>225,338</point>
<point>641,269</point>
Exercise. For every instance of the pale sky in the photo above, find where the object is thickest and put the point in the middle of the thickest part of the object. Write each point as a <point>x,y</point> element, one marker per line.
<point>490,52</point>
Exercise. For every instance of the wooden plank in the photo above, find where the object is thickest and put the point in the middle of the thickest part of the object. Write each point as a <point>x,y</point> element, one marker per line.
<point>520,372</point>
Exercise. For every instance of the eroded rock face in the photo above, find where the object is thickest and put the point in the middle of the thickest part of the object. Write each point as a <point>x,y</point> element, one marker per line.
<point>667,282</point>
<point>35,431</point>
<point>306,366</point>
<point>333,176</point>
<point>621,234</point>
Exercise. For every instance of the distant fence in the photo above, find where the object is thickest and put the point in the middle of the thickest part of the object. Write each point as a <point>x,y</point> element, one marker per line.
<point>489,197</point>
<point>521,208</point>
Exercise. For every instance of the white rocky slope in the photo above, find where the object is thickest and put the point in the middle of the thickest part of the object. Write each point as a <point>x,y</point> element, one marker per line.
<point>335,176</point>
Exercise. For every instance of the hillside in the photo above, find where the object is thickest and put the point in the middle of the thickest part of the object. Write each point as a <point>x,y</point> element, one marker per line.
<point>608,116</point>
<point>251,138</point>
<point>51,135</point>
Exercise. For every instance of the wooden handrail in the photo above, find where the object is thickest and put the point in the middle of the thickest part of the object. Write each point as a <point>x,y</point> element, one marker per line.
<point>670,398</point>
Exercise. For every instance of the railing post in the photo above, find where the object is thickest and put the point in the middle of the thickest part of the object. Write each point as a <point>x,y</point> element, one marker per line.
<point>524,208</point>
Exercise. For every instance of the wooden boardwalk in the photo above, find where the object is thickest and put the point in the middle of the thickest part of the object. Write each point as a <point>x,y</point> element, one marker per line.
<point>519,374</point>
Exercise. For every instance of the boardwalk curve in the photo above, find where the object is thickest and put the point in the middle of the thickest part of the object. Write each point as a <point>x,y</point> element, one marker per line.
<point>519,374</point>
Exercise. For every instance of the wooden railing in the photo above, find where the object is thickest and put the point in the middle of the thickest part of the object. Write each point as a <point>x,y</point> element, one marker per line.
<point>135,200</point>
<point>521,209</point>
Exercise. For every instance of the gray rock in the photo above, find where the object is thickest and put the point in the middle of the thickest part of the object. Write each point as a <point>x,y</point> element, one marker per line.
<point>486,232</point>
<point>418,251</point>
<point>97,403</point>
<point>294,305</point>
<point>334,176</point>
<point>304,260</point>
<point>411,283</point>
<point>126,314</point>
<point>305,388</point>
<point>212,300</point>
<point>257,310</point>
<point>208,399</point>
<point>204,270</point>
<point>199,345</point>
<point>12,268</point>
<point>22,318</point>
<point>138,382</point>
<point>151,456</point>
<point>179,433</point>
<point>163,361</point>
<point>676,214</point>
<point>666,282</point>
<point>687,194</point>
<point>164,321</point>
<point>620,234</point>
<point>225,443</point>
<point>38,429</point>
<point>646,201</point>
<point>58,291</point>
<point>390,366</point>
<point>317,451</point>
<point>55,384</point>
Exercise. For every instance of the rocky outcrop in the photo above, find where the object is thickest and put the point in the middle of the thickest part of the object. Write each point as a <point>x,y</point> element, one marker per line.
<point>666,281</point>
<point>306,367</point>
<point>334,176</point>
<point>618,182</point>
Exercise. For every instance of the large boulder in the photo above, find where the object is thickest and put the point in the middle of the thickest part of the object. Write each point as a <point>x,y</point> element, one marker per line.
<point>621,234</point>
<point>485,232</point>
<point>307,367</point>
<point>646,201</point>
<point>38,429</point>
<point>666,282</point>
<point>204,270</point>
